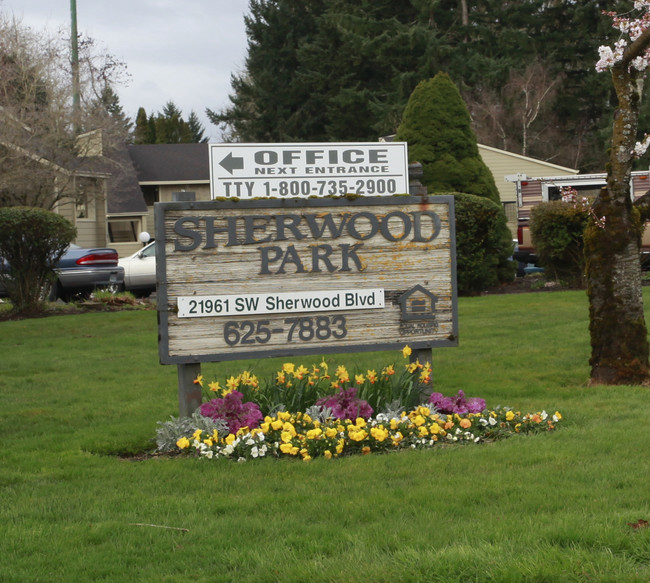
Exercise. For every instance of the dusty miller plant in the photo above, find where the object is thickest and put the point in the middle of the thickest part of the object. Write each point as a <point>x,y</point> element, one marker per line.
<point>169,432</point>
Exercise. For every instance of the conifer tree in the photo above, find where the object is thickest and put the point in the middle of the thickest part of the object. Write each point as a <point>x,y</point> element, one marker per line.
<point>436,125</point>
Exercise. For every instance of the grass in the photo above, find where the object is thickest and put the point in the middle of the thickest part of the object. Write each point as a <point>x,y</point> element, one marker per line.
<point>76,390</point>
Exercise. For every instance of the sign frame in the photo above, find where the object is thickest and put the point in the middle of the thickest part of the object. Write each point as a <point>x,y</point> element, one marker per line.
<point>166,313</point>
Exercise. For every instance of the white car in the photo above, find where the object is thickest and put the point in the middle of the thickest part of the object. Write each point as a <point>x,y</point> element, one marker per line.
<point>140,271</point>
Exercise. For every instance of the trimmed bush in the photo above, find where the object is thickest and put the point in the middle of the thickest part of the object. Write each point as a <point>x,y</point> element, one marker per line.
<point>557,230</point>
<point>32,241</point>
<point>437,126</point>
<point>483,244</point>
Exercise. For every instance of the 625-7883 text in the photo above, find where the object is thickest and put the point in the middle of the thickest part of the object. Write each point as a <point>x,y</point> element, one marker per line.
<point>302,329</point>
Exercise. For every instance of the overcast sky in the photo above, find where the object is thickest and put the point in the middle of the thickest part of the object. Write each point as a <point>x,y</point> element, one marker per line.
<point>175,50</point>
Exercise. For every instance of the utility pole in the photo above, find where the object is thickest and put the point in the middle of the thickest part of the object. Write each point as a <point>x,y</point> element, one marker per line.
<point>74,60</point>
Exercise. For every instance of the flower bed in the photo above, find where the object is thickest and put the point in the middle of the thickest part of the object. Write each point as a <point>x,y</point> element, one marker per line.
<point>333,417</point>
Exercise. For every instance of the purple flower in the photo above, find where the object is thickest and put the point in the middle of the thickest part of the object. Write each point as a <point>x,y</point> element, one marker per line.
<point>235,413</point>
<point>346,405</point>
<point>458,404</point>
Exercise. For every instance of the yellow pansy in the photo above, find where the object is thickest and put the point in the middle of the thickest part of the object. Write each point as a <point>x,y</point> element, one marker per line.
<point>418,420</point>
<point>331,432</point>
<point>314,433</point>
<point>557,415</point>
<point>182,443</point>
<point>286,437</point>
<point>422,430</point>
<point>231,437</point>
<point>434,428</point>
<point>360,422</point>
<point>327,454</point>
<point>197,434</point>
<point>379,433</point>
<point>510,416</point>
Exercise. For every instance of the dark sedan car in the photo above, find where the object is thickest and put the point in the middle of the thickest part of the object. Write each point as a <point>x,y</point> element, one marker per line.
<point>81,270</point>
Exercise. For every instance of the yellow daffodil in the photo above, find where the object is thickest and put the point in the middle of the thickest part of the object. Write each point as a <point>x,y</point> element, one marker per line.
<point>289,367</point>
<point>280,378</point>
<point>232,383</point>
<point>372,376</point>
<point>342,374</point>
<point>214,386</point>
<point>406,351</point>
<point>301,372</point>
<point>359,379</point>
<point>199,380</point>
<point>388,371</point>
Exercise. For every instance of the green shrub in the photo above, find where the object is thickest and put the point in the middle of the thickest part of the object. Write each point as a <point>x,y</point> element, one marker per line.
<point>483,244</point>
<point>557,230</point>
<point>32,241</point>
<point>437,126</point>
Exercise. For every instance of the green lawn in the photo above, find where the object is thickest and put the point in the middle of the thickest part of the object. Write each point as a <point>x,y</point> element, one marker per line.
<point>76,390</point>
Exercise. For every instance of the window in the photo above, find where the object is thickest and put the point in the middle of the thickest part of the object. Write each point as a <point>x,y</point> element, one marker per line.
<point>123,230</point>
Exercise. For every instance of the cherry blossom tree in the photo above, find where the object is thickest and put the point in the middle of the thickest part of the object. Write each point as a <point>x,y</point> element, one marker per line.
<point>619,342</point>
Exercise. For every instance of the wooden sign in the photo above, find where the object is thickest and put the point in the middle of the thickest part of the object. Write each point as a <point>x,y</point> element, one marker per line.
<point>247,279</point>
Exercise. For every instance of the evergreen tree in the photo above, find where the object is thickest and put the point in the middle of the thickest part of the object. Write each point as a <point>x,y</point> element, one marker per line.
<point>143,133</point>
<point>436,126</point>
<point>168,127</point>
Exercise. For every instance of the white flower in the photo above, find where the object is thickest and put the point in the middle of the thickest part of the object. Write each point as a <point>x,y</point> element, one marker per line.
<point>241,459</point>
<point>492,421</point>
<point>209,454</point>
<point>255,452</point>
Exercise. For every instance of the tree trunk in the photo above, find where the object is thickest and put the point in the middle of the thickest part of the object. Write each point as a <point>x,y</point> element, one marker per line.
<point>619,343</point>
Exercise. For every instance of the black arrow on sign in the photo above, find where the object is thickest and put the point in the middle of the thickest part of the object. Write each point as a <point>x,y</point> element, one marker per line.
<point>231,163</point>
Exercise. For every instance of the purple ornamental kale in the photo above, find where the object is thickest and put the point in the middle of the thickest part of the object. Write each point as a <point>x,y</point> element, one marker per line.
<point>458,404</point>
<point>346,405</point>
<point>235,413</point>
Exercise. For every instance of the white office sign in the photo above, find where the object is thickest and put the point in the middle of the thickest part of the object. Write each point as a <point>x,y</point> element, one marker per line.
<point>248,171</point>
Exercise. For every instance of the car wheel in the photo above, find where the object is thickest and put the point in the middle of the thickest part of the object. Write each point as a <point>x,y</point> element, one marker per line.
<point>56,292</point>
